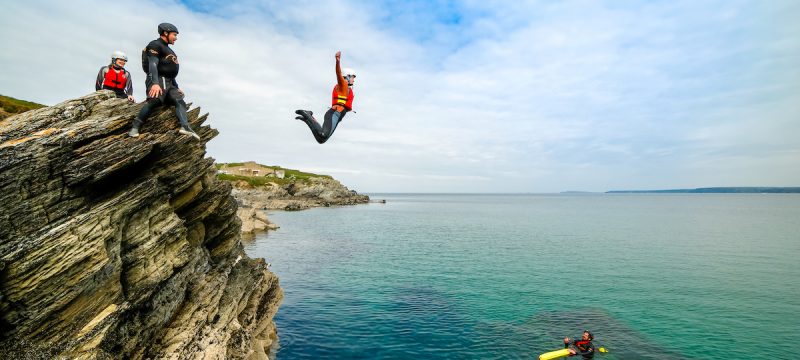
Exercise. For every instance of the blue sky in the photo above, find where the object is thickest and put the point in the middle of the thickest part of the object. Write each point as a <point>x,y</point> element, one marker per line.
<point>469,96</point>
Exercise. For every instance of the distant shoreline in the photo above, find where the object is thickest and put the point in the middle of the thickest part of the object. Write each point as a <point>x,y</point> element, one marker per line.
<point>715,190</point>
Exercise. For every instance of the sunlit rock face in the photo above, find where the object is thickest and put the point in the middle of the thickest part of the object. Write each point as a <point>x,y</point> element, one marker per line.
<point>120,247</point>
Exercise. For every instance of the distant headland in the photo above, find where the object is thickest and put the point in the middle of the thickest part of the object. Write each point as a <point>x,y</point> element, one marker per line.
<point>715,190</point>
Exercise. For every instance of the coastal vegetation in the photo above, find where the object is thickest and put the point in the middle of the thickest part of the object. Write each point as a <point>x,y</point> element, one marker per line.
<point>266,174</point>
<point>11,106</point>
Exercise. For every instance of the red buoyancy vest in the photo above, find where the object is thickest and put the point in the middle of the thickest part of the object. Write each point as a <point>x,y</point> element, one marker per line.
<point>115,80</point>
<point>346,101</point>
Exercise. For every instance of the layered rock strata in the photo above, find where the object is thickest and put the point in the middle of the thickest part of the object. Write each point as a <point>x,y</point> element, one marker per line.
<point>119,247</point>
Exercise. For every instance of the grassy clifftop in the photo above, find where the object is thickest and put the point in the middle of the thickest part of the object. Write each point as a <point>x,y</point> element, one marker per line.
<point>11,106</point>
<point>289,175</point>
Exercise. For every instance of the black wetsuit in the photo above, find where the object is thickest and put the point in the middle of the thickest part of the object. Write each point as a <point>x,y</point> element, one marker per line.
<point>324,132</point>
<point>160,64</point>
<point>585,348</point>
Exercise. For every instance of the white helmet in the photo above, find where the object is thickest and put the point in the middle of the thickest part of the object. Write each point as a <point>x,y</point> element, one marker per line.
<point>118,55</point>
<point>348,72</point>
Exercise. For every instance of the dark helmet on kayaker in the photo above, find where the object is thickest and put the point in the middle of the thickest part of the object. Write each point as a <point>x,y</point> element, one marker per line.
<point>166,28</point>
<point>591,337</point>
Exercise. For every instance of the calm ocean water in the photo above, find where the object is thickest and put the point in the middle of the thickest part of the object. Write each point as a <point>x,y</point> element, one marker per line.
<point>658,276</point>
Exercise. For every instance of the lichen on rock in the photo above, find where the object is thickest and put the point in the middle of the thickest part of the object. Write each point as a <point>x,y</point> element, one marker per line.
<point>119,247</point>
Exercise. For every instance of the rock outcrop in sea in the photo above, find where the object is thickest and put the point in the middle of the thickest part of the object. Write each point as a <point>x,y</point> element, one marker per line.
<point>302,194</point>
<point>119,247</point>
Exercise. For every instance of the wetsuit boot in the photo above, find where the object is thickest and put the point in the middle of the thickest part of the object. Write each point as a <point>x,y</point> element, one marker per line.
<point>304,115</point>
<point>180,112</point>
<point>307,117</point>
<point>135,129</point>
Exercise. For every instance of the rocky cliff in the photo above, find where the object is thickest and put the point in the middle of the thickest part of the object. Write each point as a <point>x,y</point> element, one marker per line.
<point>118,247</point>
<point>294,195</point>
<point>299,195</point>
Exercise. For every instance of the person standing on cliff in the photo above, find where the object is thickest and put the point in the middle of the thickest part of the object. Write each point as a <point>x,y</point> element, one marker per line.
<point>341,103</point>
<point>114,77</point>
<point>160,64</point>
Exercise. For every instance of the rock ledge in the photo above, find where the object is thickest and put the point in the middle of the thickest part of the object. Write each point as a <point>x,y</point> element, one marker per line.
<point>119,247</point>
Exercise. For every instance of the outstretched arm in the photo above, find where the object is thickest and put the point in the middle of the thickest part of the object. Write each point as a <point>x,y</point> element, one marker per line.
<point>340,81</point>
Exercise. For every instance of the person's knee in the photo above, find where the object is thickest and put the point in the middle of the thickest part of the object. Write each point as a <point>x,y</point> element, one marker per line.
<point>175,98</point>
<point>321,138</point>
<point>148,107</point>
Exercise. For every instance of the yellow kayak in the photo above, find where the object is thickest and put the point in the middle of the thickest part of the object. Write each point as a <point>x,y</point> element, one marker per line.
<point>558,354</point>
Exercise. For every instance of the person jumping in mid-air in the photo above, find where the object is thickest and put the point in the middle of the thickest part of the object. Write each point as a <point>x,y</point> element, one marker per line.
<point>342,103</point>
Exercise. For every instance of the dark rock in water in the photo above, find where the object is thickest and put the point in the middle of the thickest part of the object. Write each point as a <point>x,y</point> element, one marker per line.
<point>119,247</point>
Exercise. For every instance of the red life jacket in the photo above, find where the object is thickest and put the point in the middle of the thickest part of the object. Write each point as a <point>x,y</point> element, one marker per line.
<point>115,80</point>
<point>346,101</point>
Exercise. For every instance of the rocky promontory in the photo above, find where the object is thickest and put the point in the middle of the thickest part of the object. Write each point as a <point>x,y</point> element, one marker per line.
<point>300,195</point>
<point>119,247</point>
<point>260,189</point>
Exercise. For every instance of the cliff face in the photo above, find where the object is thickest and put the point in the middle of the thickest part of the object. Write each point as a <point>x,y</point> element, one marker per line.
<point>118,247</point>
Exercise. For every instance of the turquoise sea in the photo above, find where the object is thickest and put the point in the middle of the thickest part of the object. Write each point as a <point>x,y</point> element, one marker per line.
<point>654,276</point>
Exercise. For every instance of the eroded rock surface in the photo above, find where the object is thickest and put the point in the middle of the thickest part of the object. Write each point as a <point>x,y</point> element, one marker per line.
<point>310,193</point>
<point>119,247</point>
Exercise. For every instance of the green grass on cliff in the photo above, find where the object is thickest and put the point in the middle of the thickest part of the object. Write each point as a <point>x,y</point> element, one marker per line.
<point>291,175</point>
<point>252,180</point>
<point>11,106</point>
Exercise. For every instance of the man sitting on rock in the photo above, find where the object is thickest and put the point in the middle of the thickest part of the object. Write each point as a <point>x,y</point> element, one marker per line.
<point>160,64</point>
<point>114,77</point>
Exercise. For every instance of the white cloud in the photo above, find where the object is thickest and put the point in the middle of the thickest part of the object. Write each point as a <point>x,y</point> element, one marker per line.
<point>521,98</point>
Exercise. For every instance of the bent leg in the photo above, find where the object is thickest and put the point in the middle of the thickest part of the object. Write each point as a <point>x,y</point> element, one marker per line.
<point>180,107</point>
<point>332,119</point>
<point>149,105</point>
<point>313,125</point>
